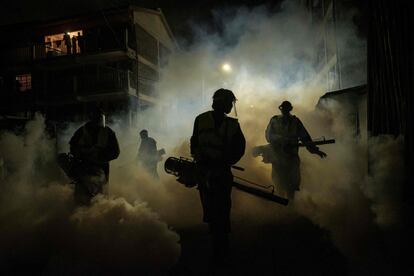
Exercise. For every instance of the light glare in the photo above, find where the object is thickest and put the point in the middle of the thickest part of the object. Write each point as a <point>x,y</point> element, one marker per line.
<point>226,67</point>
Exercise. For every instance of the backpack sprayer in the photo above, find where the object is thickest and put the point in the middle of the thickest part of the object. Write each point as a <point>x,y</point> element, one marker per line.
<point>186,172</point>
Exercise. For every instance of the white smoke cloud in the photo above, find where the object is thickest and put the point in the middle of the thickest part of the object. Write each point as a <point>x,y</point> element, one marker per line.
<point>122,233</point>
<point>272,58</point>
<point>40,224</point>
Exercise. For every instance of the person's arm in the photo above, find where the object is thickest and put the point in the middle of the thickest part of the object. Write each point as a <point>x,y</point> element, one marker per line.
<point>153,147</point>
<point>237,147</point>
<point>75,149</point>
<point>152,150</point>
<point>194,139</point>
<point>304,137</point>
<point>111,151</point>
<point>268,132</point>
<point>303,134</point>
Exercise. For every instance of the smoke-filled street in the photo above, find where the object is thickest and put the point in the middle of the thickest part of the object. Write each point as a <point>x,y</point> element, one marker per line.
<point>293,247</point>
<point>283,124</point>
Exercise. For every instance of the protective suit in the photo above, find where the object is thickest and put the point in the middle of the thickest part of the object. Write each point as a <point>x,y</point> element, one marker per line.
<point>148,155</point>
<point>93,145</point>
<point>283,133</point>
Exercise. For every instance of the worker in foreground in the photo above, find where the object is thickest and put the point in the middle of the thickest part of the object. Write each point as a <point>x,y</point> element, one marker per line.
<point>216,144</point>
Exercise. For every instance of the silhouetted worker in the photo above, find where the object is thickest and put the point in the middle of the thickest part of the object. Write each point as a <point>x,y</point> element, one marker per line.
<point>216,144</point>
<point>74,47</point>
<point>147,153</point>
<point>68,43</point>
<point>93,145</point>
<point>283,133</point>
<point>81,43</point>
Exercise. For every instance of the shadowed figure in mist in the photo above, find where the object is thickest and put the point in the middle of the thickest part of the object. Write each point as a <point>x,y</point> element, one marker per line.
<point>93,145</point>
<point>148,156</point>
<point>283,133</point>
<point>216,144</point>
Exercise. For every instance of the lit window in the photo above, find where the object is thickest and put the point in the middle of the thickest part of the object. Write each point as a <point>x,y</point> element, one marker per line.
<point>24,82</point>
<point>58,45</point>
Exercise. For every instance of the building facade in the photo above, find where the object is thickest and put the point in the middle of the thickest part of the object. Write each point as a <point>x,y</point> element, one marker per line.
<point>341,59</point>
<point>340,43</point>
<point>61,68</point>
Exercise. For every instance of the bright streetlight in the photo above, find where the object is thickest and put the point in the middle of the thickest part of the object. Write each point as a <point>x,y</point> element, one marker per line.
<point>226,67</point>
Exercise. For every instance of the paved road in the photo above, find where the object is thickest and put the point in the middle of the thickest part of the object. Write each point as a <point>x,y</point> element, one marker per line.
<point>272,247</point>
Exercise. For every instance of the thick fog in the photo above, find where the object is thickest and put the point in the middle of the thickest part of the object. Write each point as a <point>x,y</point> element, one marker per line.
<point>40,221</point>
<point>271,58</point>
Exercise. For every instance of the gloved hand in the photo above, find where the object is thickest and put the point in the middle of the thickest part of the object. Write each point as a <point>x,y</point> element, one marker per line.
<point>321,154</point>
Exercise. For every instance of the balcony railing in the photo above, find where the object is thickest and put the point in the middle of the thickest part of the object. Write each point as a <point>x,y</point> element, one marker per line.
<point>104,82</point>
<point>107,80</point>
<point>42,51</point>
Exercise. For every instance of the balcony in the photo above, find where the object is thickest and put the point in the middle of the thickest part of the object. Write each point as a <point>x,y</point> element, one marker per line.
<point>89,51</point>
<point>104,84</point>
<point>108,83</point>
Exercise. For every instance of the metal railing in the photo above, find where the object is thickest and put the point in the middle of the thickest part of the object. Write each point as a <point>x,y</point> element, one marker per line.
<point>97,83</point>
<point>47,50</point>
<point>106,80</point>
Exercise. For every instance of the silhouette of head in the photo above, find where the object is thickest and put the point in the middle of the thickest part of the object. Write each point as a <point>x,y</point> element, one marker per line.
<point>223,100</point>
<point>143,133</point>
<point>97,117</point>
<point>285,107</point>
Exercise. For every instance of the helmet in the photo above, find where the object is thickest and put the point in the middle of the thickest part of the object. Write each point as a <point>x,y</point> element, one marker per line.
<point>286,105</point>
<point>98,116</point>
<point>224,95</point>
<point>143,133</point>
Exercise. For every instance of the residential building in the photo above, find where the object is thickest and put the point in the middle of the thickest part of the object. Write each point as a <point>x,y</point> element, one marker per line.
<point>61,68</point>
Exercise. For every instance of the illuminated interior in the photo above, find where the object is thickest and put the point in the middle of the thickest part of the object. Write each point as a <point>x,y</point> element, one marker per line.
<point>58,45</point>
<point>24,81</point>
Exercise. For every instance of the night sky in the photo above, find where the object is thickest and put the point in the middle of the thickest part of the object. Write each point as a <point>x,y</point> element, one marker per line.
<point>180,14</point>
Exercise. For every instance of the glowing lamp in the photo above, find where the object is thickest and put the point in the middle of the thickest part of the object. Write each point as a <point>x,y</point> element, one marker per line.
<point>226,67</point>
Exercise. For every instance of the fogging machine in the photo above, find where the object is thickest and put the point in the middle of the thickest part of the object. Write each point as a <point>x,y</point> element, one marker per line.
<point>186,172</point>
<point>268,154</point>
